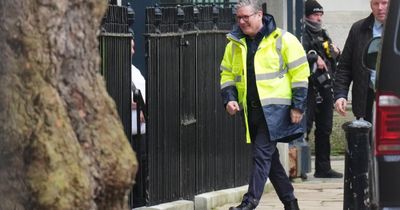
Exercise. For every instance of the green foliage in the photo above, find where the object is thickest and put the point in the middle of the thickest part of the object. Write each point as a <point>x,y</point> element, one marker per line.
<point>338,139</point>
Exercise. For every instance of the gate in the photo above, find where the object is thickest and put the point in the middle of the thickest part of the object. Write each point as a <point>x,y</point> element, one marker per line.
<point>193,146</point>
<point>115,51</point>
<point>115,42</point>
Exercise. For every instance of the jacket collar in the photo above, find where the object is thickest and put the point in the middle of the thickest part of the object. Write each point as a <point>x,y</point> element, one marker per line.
<point>269,24</point>
<point>368,22</point>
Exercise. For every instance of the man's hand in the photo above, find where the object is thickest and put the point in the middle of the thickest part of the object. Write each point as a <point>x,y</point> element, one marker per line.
<point>321,64</point>
<point>133,105</point>
<point>142,119</point>
<point>336,49</point>
<point>296,115</point>
<point>232,107</point>
<point>340,106</point>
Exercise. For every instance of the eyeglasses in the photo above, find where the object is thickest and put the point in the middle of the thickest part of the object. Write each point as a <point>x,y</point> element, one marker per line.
<point>245,18</point>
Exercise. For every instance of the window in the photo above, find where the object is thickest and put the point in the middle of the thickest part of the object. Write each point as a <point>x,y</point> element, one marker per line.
<point>397,35</point>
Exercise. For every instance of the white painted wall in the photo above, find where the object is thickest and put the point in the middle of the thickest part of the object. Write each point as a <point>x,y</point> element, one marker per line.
<point>345,5</point>
<point>340,15</point>
<point>278,9</point>
<point>338,24</point>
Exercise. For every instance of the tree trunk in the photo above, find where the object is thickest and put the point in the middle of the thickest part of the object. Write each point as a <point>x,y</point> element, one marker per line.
<point>62,145</point>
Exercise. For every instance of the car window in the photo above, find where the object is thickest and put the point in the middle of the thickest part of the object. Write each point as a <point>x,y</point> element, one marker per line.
<point>398,35</point>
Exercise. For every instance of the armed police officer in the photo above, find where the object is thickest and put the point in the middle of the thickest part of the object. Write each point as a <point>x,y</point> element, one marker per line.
<point>264,72</point>
<point>322,56</point>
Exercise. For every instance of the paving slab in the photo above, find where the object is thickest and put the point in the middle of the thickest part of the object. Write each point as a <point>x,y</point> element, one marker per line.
<point>312,194</point>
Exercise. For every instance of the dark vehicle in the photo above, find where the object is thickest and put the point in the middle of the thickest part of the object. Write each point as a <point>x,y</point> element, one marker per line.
<point>384,54</point>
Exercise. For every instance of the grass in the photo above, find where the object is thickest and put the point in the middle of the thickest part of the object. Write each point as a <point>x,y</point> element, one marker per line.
<point>338,139</point>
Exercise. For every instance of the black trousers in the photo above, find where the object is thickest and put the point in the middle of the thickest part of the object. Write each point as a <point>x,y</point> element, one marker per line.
<point>266,162</point>
<point>322,114</point>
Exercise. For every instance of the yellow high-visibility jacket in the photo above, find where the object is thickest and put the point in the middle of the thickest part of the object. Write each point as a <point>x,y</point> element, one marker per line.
<point>281,70</point>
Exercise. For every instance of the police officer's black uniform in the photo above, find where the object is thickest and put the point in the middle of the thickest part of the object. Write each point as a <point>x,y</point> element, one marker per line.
<point>316,42</point>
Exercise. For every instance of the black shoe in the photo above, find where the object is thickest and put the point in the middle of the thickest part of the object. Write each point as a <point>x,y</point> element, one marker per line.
<point>291,205</point>
<point>244,206</point>
<point>328,174</point>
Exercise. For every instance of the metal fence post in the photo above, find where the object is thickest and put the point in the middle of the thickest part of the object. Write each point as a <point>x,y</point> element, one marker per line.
<point>157,18</point>
<point>215,13</point>
<point>356,165</point>
<point>180,17</point>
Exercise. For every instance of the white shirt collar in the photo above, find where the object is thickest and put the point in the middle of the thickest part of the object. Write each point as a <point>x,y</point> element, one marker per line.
<point>377,23</point>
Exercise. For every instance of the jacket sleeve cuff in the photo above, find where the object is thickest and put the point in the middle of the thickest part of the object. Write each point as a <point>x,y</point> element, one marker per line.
<point>340,95</point>
<point>299,99</point>
<point>229,94</point>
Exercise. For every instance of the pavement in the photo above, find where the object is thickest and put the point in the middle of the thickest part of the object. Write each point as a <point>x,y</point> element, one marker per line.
<point>312,194</point>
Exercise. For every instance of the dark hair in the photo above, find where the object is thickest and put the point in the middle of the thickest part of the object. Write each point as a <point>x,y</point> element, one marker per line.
<point>255,4</point>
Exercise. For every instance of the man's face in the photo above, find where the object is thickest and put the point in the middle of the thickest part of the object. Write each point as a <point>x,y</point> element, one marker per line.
<point>316,17</point>
<point>249,21</point>
<point>379,9</point>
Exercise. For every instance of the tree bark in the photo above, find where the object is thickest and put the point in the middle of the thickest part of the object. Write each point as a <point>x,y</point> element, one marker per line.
<point>62,145</point>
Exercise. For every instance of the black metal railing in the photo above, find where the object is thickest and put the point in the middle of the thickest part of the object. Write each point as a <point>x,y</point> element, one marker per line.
<point>197,2</point>
<point>193,145</point>
<point>115,42</point>
<point>115,51</point>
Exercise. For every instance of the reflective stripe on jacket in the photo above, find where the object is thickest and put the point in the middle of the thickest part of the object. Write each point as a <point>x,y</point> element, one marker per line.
<point>281,70</point>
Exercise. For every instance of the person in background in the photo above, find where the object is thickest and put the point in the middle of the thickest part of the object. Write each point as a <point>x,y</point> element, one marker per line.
<point>264,72</point>
<point>138,82</point>
<point>350,68</point>
<point>321,56</point>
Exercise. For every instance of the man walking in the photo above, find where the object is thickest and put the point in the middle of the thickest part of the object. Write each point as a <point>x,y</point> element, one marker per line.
<point>321,55</point>
<point>265,72</point>
<point>350,67</point>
